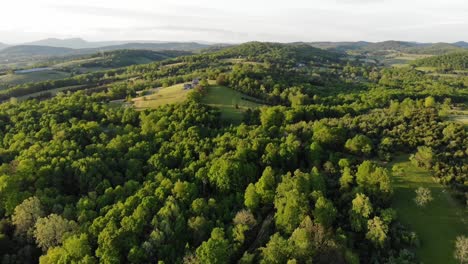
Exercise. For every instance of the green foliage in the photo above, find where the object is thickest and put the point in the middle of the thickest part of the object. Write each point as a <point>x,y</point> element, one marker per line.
<point>374,180</point>
<point>377,231</point>
<point>451,61</point>
<point>360,212</point>
<point>251,197</point>
<point>359,144</point>
<point>75,249</point>
<point>276,250</point>
<point>215,250</point>
<point>346,179</point>
<point>324,212</point>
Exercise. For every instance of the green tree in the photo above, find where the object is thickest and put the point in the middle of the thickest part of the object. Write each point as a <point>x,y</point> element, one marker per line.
<point>377,231</point>
<point>429,102</point>
<point>251,197</point>
<point>324,211</point>
<point>360,212</point>
<point>276,250</point>
<point>215,250</point>
<point>346,179</point>
<point>266,186</point>
<point>75,249</point>
<point>423,157</point>
<point>374,180</point>
<point>271,116</point>
<point>359,144</point>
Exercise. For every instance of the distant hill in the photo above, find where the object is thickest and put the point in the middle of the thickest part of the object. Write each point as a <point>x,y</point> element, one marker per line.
<point>452,61</point>
<point>461,44</point>
<point>78,43</point>
<point>340,45</point>
<point>73,43</point>
<point>32,50</point>
<point>393,45</point>
<point>271,52</point>
<point>121,58</point>
<point>3,45</point>
<point>435,49</point>
<point>185,46</point>
<point>21,55</point>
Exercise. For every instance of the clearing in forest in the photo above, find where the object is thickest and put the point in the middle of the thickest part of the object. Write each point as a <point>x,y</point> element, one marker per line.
<point>438,223</point>
<point>231,103</point>
<point>161,96</point>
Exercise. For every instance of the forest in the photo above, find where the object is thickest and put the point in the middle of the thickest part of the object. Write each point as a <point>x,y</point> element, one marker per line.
<point>303,178</point>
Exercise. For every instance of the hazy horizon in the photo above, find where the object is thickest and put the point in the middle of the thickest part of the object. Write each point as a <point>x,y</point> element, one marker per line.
<point>219,22</point>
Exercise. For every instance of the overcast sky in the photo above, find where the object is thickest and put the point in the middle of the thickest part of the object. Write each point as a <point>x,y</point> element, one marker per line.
<point>235,21</point>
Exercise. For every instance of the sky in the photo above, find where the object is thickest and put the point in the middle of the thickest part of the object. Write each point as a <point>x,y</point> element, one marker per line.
<point>235,21</point>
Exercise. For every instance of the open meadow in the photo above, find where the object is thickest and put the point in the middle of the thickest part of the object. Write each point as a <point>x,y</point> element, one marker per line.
<point>438,223</point>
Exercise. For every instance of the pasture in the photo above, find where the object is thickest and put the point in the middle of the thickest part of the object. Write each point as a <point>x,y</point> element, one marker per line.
<point>231,103</point>
<point>438,223</point>
<point>161,96</point>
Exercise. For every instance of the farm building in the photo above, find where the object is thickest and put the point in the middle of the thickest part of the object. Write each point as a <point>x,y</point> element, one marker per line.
<point>188,86</point>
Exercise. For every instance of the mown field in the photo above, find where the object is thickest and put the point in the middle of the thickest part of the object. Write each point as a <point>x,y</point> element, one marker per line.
<point>161,96</point>
<point>439,223</point>
<point>231,103</point>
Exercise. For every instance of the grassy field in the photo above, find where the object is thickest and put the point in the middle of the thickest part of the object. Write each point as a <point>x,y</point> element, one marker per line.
<point>226,100</point>
<point>459,115</point>
<point>161,96</point>
<point>222,97</point>
<point>16,79</point>
<point>439,223</point>
<point>399,59</point>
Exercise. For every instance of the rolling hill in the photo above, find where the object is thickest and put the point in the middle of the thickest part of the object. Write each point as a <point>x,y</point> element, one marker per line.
<point>120,58</point>
<point>72,43</point>
<point>462,44</point>
<point>29,55</point>
<point>394,46</point>
<point>3,45</point>
<point>452,61</point>
<point>32,50</point>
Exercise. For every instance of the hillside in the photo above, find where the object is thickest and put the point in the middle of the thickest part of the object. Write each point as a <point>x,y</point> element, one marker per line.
<point>3,45</point>
<point>31,50</point>
<point>390,45</point>
<point>27,55</point>
<point>275,153</point>
<point>435,49</point>
<point>452,61</point>
<point>342,46</point>
<point>73,43</point>
<point>185,46</point>
<point>119,58</point>
<point>387,47</point>
<point>276,52</point>
<point>462,44</point>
